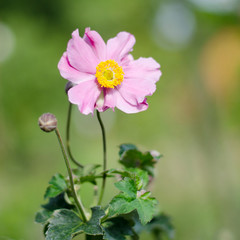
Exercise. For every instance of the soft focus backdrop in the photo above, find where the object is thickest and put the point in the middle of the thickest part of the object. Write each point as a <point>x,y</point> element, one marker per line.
<point>193,118</point>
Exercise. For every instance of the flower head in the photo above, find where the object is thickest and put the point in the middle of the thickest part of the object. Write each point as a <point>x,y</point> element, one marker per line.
<point>106,75</point>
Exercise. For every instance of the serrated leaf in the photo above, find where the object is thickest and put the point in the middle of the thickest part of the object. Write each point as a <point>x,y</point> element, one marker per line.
<point>130,199</point>
<point>92,227</point>
<point>127,186</point>
<point>146,208</point>
<point>43,216</point>
<point>141,177</point>
<point>65,224</point>
<point>116,229</point>
<point>133,158</point>
<point>126,147</point>
<point>120,205</point>
<point>57,185</point>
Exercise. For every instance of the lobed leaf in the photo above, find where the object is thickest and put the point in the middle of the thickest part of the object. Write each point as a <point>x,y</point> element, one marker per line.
<point>131,199</point>
<point>43,216</point>
<point>131,157</point>
<point>57,185</point>
<point>65,224</point>
<point>125,147</point>
<point>116,229</point>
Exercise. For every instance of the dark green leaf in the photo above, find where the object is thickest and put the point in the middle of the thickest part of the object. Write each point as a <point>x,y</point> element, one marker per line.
<point>63,225</point>
<point>133,158</point>
<point>43,216</point>
<point>57,186</point>
<point>57,202</point>
<point>93,226</point>
<point>66,224</point>
<point>125,147</point>
<point>161,225</point>
<point>116,229</point>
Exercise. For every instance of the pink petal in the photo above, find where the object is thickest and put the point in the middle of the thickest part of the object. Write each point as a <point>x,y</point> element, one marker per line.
<point>120,46</point>
<point>95,41</point>
<point>70,73</point>
<point>127,59</point>
<point>114,99</point>
<point>85,95</point>
<point>81,55</point>
<point>139,80</point>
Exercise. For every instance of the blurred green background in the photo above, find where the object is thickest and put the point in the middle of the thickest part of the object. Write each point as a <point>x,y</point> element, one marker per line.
<point>193,117</point>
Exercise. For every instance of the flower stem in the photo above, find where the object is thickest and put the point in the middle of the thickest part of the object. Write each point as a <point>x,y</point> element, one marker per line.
<point>76,199</point>
<point>104,157</point>
<point>68,137</point>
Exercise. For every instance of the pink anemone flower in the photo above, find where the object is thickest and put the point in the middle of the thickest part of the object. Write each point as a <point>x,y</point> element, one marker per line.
<point>106,75</point>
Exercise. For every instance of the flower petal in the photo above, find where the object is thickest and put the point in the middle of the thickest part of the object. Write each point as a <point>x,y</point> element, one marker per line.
<point>95,41</point>
<point>85,95</point>
<point>120,46</point>
<point>139,80</point>
<point>81,55</point>
<point>114,99</point>
<point>126,60</point>
<point>70,73</point>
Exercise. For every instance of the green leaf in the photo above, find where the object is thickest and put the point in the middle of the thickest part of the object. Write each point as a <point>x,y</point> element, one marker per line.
<point>125,147</point>
<point>128,187</point>
<point>87,173</point>
<point>92,227</point>
<point>57,202</point>
<point>120,204</point>
<point>133,158</point>
<point>161,225</point>
<point>116,229</point>
<point>57,185</point>
<point>130,199</point>
<point>43,216</point>
<point>65,224</point>
<point>146,208</point>
<point>140,176</point>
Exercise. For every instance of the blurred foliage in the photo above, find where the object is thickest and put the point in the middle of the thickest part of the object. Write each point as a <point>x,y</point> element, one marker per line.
<point>193,118</point>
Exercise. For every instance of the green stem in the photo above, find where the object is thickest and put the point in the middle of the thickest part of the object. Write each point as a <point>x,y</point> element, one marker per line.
<point>68,137</point>
<point>104,157</point>
<point>76,199</point>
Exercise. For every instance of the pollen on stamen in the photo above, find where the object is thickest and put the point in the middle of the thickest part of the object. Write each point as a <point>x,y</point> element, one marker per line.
<point>109,74</point>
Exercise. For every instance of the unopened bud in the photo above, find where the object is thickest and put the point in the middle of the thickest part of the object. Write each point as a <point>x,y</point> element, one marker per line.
<point>47,122</point>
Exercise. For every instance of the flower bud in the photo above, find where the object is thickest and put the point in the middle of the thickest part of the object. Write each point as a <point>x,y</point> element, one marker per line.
<point>47,122</point>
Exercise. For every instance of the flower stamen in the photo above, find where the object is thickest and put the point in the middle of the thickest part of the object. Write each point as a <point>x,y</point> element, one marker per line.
<point>109,74</point>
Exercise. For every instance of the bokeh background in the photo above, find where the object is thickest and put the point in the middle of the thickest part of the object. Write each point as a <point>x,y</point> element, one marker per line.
<point>193,117</point>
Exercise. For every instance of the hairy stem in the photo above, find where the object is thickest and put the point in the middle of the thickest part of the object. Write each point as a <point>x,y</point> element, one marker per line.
<point>76,199</point>
<point>104,157</point>
<point>68,137</point>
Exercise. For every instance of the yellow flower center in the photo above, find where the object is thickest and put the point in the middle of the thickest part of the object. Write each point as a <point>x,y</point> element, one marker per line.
<point>109,74</point>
